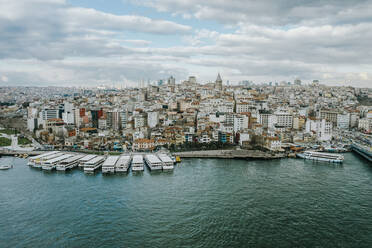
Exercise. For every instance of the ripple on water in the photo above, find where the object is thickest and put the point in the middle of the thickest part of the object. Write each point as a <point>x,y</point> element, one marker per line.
<point>202,203</point>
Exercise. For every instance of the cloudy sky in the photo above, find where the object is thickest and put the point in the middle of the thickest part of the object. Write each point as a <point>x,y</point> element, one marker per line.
<point>120,42</point>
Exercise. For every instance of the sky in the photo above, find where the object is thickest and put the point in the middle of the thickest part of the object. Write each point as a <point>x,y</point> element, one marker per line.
<point>121,42</point>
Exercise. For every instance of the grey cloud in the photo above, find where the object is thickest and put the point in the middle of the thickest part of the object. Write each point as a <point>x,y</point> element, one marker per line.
<point>54,30</point>
<point>267,12</point>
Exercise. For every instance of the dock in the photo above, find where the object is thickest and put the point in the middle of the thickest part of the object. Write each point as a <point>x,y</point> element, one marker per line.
<point>230,154</point>
<point>362,150</point>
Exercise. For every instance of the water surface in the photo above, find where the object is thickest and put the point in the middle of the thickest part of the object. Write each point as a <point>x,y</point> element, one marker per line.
<point>203,203</point>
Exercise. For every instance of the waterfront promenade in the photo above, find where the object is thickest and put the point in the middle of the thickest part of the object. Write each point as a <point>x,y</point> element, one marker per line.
<point>237,154</point>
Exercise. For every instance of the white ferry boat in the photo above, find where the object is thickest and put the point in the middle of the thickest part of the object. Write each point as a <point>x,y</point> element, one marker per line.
<point>93,164</point>
<point>137,163</point>
<point>39,162</point>
<point>51,163</point>
<point>168,163</point>
<point>123,164</point>
<point>321,156</point>
<point>84,159</point>
<point>109,165</point>
<point>33,159</point>
<point>153,162</point>
<point>68,163</point>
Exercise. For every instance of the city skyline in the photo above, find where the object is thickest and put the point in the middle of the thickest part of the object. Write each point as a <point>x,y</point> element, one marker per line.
<point>90,43</point>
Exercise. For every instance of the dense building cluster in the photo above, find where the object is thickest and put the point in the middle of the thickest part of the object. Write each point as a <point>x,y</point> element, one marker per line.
<point>170,114</point>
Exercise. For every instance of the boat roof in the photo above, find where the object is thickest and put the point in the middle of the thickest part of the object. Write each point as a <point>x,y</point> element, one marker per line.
<point>137,159</point>
<point>95,160</point>
<point>72,159</point>
<point>57,154</point>
<point>164,158</point>
<point>87,157</point>
<point>152,158</point>
<point>59,158</point>
<point>110,161</point>
<point>44,155</point>
<point>123,159</point>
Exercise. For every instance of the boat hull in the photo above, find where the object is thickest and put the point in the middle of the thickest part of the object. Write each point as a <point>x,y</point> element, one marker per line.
<point>137,168</point>
<point>319,159</point>
<point>108,170</point>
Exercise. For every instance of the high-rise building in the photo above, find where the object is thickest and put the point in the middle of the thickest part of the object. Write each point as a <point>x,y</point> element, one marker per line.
<point>219,82</point>
<point>48,114</point>
<point>152,119</point>
<point>171,81</point>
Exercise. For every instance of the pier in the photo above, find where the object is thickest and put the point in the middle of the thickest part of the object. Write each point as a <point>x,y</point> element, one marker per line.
<point>231,154</point>
<point>362,151</point>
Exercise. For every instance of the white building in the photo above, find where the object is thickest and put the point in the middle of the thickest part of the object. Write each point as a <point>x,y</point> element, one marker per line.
<point>123,119</point>
<point>68,117</point>
<point>365,124</point>
<point>139,120</point>
<point>284,119</point>
<point>343,121</point>
<point>48,114</point>
<point>152,119</point>
<point>243,137</point>
<point>217,117</point>
<point>322,129</point>
<point>240,122</point>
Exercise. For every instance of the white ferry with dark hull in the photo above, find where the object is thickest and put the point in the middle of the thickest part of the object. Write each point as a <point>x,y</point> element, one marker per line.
<point>137,163</point>
<point>123,164</point>
<point>109,165</point>
<point>85,159</point>
<point>69,163</point>
<point>32,160</point>
<point>39,162</point>
<point>153,162</point>
<point>321,156</point>
<point>167,161</point>
<point>92,165</point>
<point>52,163</point>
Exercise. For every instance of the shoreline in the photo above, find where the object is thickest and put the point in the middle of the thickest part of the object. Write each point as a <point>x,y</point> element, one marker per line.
<point>230,154</point>
<point>220,154</point>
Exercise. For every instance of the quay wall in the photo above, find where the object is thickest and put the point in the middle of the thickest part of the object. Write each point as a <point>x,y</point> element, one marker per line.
<point>238,154</point>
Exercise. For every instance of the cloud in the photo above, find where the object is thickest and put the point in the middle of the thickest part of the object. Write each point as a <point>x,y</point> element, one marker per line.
<point>267,12</point>
<point>50,30</point>
<point>4,78</point>
<point>139,42</point>
<point>53,42</point>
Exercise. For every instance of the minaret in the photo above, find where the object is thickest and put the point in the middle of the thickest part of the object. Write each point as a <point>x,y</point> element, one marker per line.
<point>219,82</point>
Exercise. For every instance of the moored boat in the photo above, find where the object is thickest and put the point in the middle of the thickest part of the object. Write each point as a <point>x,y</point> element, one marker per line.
<point>52,163</point>
<point>93,164</point>
<point>85,159</point>
<point>40,161</point>
<point>68,163</point>
<point>153,162</point>
<point>123,163</point>
<point>109,165</point>
<point>321,156</point>
<point>31,160</point>
<point>6,167</point>
<point>137,163</point>
<point>168,163</point>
